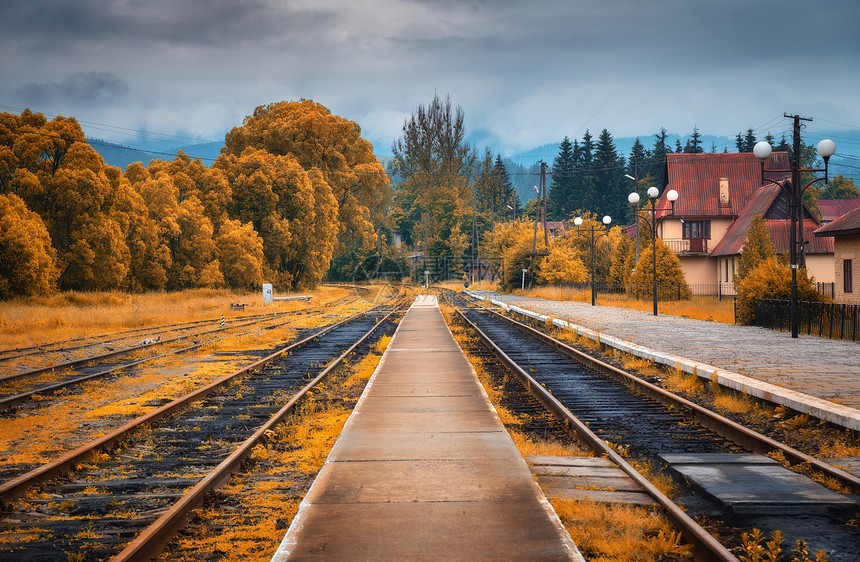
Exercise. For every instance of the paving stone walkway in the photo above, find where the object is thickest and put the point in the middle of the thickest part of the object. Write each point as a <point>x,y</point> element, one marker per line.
<point>820,367</point>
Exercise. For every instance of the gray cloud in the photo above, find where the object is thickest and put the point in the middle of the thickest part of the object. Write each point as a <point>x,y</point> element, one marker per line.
<point>525,73</point>
<point>77,89</point>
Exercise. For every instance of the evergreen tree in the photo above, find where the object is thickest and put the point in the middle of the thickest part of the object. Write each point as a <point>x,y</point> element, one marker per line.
<point>739,142</point>
<point>656,167</point>
<point>563,178</point>
<point>678,148</point>
<point>608,194</point>
<point>749,141</point>
<point>694,144</point>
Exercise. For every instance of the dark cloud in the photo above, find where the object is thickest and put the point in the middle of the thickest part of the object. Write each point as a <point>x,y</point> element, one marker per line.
<point>82,88</point>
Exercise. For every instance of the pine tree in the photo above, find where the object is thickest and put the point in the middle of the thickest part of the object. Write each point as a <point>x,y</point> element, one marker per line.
<point>607,195</point>
<point>749,141</point>
<point>563,178</point>
<point>694,144</point>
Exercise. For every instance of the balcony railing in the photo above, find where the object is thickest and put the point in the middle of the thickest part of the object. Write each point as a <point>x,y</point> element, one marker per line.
<point>687,246</point>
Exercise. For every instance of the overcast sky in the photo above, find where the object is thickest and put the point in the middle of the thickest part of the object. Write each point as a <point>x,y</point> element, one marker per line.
<point>525,73</point>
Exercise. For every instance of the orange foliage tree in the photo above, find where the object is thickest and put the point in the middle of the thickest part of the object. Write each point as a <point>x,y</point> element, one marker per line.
<point>27,261</point>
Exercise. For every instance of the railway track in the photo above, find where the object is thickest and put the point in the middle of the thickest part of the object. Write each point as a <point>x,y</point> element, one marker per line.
<point>18,388</point>
<point>129,502</point>
<point>602,404</point>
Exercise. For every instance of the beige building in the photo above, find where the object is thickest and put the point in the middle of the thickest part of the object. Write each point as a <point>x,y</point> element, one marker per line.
<point>719,194</point>
<point>845,232</point>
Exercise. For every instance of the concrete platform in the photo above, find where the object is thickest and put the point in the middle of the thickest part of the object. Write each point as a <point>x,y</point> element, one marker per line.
<point>424,469</point>
<point>755,484</point>
<point>587,478</point>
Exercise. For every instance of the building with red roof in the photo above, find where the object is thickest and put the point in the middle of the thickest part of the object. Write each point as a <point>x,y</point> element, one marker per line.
<point>719,194</point>
<point>845,232</point>
<point>832,209</point>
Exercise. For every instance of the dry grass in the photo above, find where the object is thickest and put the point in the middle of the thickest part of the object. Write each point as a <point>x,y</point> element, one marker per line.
<point>37,320</point>
<point>75,416</point>
<point>699,307</point>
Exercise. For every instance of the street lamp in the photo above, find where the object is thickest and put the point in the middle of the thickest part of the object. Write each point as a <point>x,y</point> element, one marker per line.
<point>578,222</point>
<point>653,193</point>
<point>825,149</point>
<point>633,199</point>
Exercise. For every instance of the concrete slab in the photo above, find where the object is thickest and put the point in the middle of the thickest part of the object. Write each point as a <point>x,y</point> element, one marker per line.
<point>424,468</point>
<point>586,479</point>
<point>749,484</point>
<point>848,464</point>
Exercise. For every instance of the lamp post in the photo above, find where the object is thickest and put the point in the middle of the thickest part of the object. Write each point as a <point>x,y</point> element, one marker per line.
<point>633,199</point>
<point>825,149</point>
<point>653,193</point>
<point>578,222</point>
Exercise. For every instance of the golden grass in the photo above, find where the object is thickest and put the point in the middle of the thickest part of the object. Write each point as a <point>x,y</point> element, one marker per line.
<point>619,532</point>
<point>699,307</point>
<point>75,416</point>
<point>37,320</point>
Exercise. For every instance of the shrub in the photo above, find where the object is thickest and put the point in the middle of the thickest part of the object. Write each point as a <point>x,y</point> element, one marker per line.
<point>771,279</point>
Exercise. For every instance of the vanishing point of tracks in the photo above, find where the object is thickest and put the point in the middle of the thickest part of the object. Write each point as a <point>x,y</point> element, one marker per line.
<point>601,403</point>
<point>130,503</point>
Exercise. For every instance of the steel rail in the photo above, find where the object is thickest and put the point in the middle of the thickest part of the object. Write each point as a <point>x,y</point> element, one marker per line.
<point>733,431</point>
<point>152,540</point>
<point>18,485</point>
<point>711,548</point>
<point>14,400</point>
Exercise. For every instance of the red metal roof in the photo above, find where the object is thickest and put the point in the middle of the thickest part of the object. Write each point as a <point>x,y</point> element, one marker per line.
<point>832,209</point>
<point>771,202</point>
<point>696,178</point>
<point>847,224</point>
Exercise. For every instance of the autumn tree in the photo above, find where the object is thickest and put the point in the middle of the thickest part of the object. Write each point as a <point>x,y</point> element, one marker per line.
<point>771,279</point>
<point>316,139</point>
<point>512,244</point>
<point>294,213</point>
<point>757,248</point>
<point>671,282</point>
<point>434,200</point>
<point>27,260</point>
<point>240,254</point>
<point>564,263</point>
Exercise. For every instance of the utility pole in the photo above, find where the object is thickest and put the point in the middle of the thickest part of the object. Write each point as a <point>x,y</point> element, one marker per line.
<point>540,214</point>
<point>796,211</point>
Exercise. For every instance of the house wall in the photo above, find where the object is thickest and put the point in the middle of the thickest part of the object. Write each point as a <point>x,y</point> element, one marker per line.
<point>847,248</point>
<point>821,266</point>
<point>699,270</point>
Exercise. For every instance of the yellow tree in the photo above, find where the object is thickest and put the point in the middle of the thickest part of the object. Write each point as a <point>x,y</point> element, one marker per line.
<point>512,245</point>
<point>294,212</point>
<point>318,139</point>
<point>563,264</point>
<point>240,253</point>
<point>671,282</point>
<point>27,261</point>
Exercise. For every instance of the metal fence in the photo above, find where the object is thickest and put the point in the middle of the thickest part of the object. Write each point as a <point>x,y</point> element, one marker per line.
<point>826,319</point>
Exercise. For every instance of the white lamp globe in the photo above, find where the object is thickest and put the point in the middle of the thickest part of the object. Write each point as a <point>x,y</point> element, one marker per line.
<point>653,192</point>
<point>577,221</point>
<point>607,219</point>
<point>826,148</point>
<point>762,150</point>
<point>633,198</point>
<point>672,195</point>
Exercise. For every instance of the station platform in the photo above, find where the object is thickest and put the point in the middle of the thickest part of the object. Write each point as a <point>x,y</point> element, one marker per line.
<point>812,375</point>
<point>424,468</point>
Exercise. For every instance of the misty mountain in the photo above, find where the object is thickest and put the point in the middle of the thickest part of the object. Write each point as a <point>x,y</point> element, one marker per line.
<point>120,155</point>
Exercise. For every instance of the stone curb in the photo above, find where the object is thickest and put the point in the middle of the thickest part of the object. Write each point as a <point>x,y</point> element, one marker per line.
<point>817,407</point>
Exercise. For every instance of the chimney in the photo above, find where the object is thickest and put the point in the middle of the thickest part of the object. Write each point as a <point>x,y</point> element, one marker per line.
<point>724,191</point>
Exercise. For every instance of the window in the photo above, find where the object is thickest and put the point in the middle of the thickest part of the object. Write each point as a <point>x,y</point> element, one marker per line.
<point>847,280</point>
<point>727,269</point>
<point>697,229</point>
